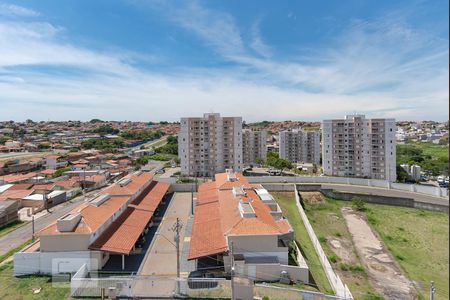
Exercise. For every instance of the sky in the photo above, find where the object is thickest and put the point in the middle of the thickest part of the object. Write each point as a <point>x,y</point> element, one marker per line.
<point>159,60</point>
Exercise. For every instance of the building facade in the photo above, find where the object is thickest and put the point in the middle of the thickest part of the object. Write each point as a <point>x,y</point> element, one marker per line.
<point>298,146</point>
<point>359,147</point>
<point>210,144</point>
<point>254,146</point>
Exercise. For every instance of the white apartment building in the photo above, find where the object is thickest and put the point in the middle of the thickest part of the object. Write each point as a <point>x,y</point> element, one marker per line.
<point>297,146</point>
<point>210,144</point>
<point>359,147</point>
<point>253,146</point>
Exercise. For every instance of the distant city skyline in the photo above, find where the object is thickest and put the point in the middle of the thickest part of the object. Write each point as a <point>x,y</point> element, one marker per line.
<point>161,60</point>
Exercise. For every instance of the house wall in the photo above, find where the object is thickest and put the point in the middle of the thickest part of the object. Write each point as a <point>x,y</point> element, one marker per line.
<point>26,263</point>
<point>65,242</point>
<point>259,245</point>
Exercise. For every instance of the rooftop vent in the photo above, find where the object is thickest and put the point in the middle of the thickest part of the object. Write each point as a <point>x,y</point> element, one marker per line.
<point>246,210</point>
<point>68,222</point>
<point>231,175</point>
<point>238,191</point>
<point>137,173</point>
<point>99,200</point>
<point>124,181</point>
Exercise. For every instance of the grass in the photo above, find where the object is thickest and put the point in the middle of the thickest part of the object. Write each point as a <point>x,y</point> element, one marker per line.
<point>328,222</point>
<point>434,150</point>
<point>11,227</point>
<point>418,239</point>
<point>12,288</point>
<point>12,251</point>
<point>286,201</point>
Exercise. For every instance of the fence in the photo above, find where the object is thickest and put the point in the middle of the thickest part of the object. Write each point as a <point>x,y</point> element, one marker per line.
<point>415,188</point>
<point>280,293</point>
<point>336,283</point>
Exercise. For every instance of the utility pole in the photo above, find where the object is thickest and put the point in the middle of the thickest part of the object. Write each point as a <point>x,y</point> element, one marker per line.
<point>432,290</point>
<point>32,227</point>
<point>232,271</point>
<point>177,228</point>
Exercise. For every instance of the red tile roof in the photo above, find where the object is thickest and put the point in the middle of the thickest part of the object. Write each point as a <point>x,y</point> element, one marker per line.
<point>217,215</point>
<point>123,234</point>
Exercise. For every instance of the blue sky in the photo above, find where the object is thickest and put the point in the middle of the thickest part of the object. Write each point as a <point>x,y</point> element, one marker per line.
<point>263,60</point>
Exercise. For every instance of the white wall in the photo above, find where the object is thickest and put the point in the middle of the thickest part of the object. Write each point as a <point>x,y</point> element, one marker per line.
<point>54,262</point>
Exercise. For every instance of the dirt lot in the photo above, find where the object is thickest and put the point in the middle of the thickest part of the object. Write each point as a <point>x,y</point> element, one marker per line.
<point>312,197</point>
<point>383,271</point>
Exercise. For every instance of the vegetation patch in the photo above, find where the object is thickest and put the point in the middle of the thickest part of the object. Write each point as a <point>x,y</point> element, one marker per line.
<point>286,200</point>
<point>30,287</point>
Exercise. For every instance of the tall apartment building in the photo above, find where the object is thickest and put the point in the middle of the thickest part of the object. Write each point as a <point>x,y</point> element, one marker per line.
<point>359,147</point>
<point>253,146</point>
<point>210,144</point>
<point>297,145</point>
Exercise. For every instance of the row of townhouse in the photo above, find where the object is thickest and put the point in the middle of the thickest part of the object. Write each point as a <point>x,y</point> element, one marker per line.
<point>235,219</point>
<point>109,224</point>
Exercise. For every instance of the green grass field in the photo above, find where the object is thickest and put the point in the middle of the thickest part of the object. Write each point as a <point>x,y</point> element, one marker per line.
<point>287,204</point>
<point>328,223</point>
<point>434,150</point>
<point>12,288</point>
<point>431,157</point>
<point>418,239</point>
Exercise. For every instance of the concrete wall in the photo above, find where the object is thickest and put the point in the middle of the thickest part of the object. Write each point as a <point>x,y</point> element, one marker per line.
<point>405,202</point>
<point>271,272</point>
<point>55,262</point>
<point>259,245</point>
<point>417,188</point>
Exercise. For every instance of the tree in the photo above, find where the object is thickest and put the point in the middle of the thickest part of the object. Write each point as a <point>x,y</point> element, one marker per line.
<point>260,161</point>
<point>358,204</point>
<point>402,175</point>
<point>275,161</point>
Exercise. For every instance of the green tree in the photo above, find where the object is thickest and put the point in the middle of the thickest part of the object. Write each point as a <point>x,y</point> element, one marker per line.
<point>402,176</point>
<point>275,161</point>
<point>358,204</point>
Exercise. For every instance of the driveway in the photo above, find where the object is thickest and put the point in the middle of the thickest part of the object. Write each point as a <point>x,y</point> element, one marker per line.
<point>159,270</point>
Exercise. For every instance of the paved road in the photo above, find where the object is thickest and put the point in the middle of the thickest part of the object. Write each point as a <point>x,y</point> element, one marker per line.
<point>151,143</point>
<point>161,261</point>
<point>16,155</point>
<point>22,234</point>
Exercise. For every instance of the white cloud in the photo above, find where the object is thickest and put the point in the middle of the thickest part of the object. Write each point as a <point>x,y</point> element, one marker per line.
<point>382,68</point>
<point>15,10</point>
<point>257,43</point>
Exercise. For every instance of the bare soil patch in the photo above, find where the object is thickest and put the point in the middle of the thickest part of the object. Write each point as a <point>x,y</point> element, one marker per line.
<point>384,273</point>
<point>312,197</point>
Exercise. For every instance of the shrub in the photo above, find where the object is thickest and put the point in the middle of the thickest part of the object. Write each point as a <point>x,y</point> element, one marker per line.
<point>338,234</point>
<point>372,296</point>
<point>265,298</point>
<point>322,239</point>
<point>358,204</point>
<point>333,258</point>
<point>399,257</point>
<point>357,269</point>
<point>344,267</point>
